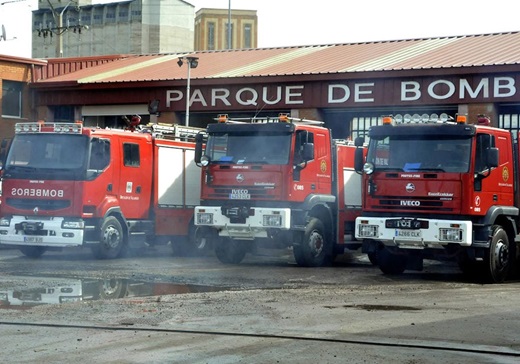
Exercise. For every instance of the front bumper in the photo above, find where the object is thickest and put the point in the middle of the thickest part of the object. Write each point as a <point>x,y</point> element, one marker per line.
<point>243,223</point>
<point>433,234</point>
<point>52,232</point>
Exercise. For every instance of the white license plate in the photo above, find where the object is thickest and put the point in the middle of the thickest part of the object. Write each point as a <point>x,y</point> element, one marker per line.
<point>239,196</point>
<point>33,239</point>
<point>410,234</point>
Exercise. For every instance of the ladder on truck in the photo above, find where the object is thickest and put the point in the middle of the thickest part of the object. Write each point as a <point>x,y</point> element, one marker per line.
<point>169,131</point>
<point>281,118</point>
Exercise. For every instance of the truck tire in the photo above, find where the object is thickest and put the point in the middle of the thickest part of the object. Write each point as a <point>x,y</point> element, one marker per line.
<point>193,245</point>
<point>33,251</point>
<point>314,250</point>
<point>110,289</point>
<point>112,240</point>
<point>391,263</point>
<point>230,251</point>
<point>499,256</point>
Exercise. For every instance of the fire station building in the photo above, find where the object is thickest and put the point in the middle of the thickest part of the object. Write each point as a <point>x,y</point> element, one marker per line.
<point>349,86</point>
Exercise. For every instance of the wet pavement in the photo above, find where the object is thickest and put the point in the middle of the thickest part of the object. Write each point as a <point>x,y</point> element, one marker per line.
<point>67,306</point>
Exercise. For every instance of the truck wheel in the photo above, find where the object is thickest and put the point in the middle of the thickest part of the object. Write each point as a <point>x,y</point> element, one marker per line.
<point>498,257</point>
<point>112,288</point>
<point>391,263</point>
<point>372,257</point>
<point>230,251</point>
<point>314,250</point>
<point>112,241</point>
<point>33,251</point>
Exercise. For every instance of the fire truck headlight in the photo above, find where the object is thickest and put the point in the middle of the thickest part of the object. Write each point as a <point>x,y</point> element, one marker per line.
<point>450,235</point>
<point>5,221</point>
<point>72,224</point>
<point>272,220</point>
<point>204,160</point>
<point>204,218</point>
<point>368,231</point>
<point>368,168</point>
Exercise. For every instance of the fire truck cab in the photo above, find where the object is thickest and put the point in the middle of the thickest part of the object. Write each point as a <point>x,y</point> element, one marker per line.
<point>277,183</point>
<point>66,185</point>
<point>440,189</point>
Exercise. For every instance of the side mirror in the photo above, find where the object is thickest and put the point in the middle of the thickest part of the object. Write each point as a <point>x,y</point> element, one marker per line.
<point>359,141</point>
<point>308,151</point>
<point>359,160</point>
<point>199,140</point>
<point>492,159</point>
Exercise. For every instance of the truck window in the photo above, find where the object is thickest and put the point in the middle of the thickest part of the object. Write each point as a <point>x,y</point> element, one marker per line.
<point>420,153</point>
<point>484,142</point>
<point>131,155</point>
<point>100,154</point>
<point>265,148</point>
<point>302,137</point>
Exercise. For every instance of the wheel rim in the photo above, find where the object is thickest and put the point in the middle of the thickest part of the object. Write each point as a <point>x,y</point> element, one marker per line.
<point>316,243</point>
<point>111,237</point>
<point>110,287</point>
<point>501,255</point>
<point>201,243</point>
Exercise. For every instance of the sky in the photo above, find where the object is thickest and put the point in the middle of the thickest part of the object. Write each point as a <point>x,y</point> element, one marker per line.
<point>300,22</point>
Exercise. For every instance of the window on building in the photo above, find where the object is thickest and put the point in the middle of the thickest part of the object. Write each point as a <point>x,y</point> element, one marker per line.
<point>511,122</point>
<point>211,36</point>
<point>64,113</point>
<point>85,16</point>
<point>122,14</point>
<point>136,13</point>
<point>12,99</point>
<point>131,155</point>
<point>38,21</point>
<point>97,18</point>
<point>247,36</point>
<point>110,16</point>
<point>229,36</point>
<point>361,124</point>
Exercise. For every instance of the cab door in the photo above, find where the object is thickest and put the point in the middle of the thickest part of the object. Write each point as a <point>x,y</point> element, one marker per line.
<point>135,179</point>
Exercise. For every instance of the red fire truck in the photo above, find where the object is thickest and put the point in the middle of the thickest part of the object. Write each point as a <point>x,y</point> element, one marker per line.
<point>440,188</point>
<point>66,185</point>
<point>276,183</point>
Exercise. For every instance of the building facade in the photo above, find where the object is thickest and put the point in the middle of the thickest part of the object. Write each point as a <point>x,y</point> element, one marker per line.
<point>212,31</point>
<point>349,86</point>
<point>16,74</point>
<point>80,28</point>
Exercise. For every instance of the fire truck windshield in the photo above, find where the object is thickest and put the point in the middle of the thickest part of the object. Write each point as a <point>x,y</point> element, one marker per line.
<point>420,153</point>
<point>265,148</point>
<point>49,156</point>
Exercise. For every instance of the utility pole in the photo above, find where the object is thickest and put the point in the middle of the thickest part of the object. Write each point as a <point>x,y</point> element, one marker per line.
<point>229,26</point>
<point>59,30</point>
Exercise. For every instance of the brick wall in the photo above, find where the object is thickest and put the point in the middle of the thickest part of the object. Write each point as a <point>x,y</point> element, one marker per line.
<point>19,72</point>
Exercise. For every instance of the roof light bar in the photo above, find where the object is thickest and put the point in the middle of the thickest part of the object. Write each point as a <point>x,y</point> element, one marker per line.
<point>43,127</point>
<point>421,119</point>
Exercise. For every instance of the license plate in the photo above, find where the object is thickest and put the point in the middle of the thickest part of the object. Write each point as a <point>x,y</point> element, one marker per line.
<point>410,234</point>
<point>239,196</point>
<point>33,239</point>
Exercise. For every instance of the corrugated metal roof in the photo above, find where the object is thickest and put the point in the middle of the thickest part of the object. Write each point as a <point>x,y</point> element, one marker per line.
<point>412,54</point>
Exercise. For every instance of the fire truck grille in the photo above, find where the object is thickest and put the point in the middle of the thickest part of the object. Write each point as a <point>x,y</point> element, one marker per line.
<point>42,205</point>
<point>253,193</point>
<point>418,204</point>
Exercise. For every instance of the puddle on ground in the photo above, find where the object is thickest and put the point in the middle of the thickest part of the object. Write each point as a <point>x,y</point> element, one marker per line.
<point>57,291</point>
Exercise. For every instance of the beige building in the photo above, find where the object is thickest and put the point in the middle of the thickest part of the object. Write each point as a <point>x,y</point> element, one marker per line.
<point>211,29</point>
<point>80,28</point>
